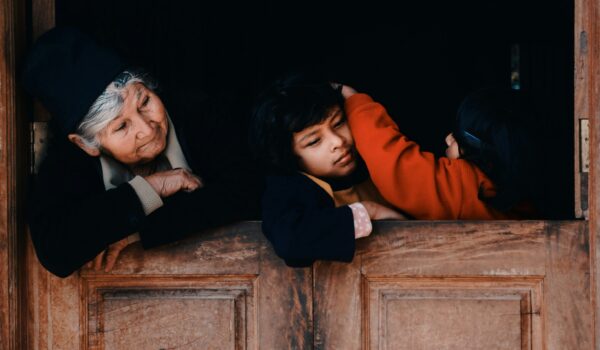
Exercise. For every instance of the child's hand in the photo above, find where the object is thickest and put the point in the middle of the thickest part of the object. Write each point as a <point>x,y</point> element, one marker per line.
<point>380,212</point>
<point>347,91</point>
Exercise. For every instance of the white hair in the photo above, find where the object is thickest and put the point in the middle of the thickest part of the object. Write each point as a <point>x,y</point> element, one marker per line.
<point>108,106</point>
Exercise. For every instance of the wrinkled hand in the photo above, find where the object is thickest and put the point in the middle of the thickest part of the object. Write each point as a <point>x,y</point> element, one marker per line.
<point>169,182</point>
<point>112,253</point>
<point>380,212</point>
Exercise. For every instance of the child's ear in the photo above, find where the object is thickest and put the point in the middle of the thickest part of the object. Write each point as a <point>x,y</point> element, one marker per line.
<point>90,150</point>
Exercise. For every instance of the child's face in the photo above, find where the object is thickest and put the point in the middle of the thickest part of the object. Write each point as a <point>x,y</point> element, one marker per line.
<point>453,151</point>
<point>326,149</point>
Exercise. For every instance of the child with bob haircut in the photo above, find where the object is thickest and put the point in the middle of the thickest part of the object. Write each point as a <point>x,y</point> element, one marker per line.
<point>487,173</point>
<point>319,197</point>
<point>493,130</point>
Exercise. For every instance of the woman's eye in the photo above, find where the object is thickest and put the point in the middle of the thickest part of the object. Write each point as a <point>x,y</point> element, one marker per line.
<point>145,101</point>
<point>120,127</point>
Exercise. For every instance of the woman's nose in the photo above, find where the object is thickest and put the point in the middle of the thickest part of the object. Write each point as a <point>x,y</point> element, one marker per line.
<point>449,139</point>
<point>143,127</point>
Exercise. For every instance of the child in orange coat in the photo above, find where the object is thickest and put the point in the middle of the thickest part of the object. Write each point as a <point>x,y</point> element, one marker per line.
<point>427,187</point>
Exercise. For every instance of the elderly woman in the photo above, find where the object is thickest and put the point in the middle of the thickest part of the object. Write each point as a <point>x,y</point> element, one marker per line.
<point>119,164</point>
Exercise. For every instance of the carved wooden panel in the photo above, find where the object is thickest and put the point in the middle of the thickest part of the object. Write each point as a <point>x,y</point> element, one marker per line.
<point>215,312</point>
<point>452,313</point>
<point>413,285</point>
<point>223,289</point>
<point>475,285</point>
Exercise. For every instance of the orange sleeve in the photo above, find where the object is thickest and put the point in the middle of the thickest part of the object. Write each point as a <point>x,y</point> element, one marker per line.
<point>415,181</point>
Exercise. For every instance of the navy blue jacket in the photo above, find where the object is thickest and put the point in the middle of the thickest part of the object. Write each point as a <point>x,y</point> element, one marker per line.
<point>72,217</point>
<point>301,221</point>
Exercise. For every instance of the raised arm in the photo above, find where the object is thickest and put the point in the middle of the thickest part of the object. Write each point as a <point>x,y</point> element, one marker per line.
<point>410,179</point>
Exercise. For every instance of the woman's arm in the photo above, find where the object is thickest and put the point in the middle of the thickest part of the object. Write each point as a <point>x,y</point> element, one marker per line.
<point>219,202</point>
<point>69,229</point>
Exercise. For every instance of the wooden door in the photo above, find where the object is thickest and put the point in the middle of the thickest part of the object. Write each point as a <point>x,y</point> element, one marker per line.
<point>413,285</point>
<point>477,285</point>
<point>222,290</point>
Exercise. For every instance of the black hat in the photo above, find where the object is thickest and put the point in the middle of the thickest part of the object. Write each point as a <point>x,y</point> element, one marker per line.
<point>68,71</point>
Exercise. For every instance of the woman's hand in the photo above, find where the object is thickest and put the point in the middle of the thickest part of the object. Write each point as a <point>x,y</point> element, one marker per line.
<point>169,182</point>
<point>380,212</point>
<point>112,253</point>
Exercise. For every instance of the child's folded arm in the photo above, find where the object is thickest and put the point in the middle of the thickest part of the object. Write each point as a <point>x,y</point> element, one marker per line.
<point>413,181</point>
<point>303,225</point>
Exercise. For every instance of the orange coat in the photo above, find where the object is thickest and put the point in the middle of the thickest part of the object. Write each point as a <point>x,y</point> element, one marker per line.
<point>412,180</point>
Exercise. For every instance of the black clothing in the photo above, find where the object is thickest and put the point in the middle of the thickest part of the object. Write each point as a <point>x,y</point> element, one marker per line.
<point>301,221</point>
<point>73,218</point>
<point>67,71</point>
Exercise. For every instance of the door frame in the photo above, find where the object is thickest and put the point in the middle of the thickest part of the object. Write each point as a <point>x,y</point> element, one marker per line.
<point>14,155</point>
<point>587,98</point>
<point>15,152</point>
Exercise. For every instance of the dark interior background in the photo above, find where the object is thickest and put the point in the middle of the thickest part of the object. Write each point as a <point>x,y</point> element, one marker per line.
<point>418,58</point>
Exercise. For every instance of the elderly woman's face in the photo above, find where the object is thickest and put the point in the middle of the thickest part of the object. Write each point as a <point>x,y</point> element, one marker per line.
<point>139,133</point>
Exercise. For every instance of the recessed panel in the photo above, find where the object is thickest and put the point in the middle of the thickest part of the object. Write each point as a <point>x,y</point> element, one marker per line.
<point>142,320</point>
<point>452,324</point>
<point>453,313</point>
<point>171,313</point>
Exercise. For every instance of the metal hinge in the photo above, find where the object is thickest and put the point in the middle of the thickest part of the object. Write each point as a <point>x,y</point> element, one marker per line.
<point>584,145</point>
<point>584,166</point>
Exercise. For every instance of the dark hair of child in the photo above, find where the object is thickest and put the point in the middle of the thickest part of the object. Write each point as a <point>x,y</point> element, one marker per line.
<point>493,131</point>
<point>290,105</point>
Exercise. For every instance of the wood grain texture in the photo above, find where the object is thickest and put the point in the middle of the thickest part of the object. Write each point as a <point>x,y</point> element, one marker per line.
<point>223,289</point>
<point>53,308</point>
<point>286,303</point>
<point>337,294</point>
<point>528,279</point>
<point>581,85</point>
<point>216,312</point>
<point>455,249</point>
<point>454,313</point>
<point>13,172</point>
<point>412,271</point>
<point>225,250</point>
<point>569,315</point>
<point>587,100</point>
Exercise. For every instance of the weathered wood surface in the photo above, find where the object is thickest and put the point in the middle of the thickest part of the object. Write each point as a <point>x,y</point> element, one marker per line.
<point>582,84</point>
<point>13,172</point>
<point>419,279</point>
<point>223,289</point>
<point>414,285</point>
<point>587,105</point>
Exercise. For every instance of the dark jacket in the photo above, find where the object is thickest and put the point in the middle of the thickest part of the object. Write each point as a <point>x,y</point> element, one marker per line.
<point>72,217</point>
<point>301,221</point>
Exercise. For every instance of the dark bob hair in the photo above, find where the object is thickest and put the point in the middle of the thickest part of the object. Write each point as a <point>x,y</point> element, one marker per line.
<point>289,105</point>
<point>493,130</point>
